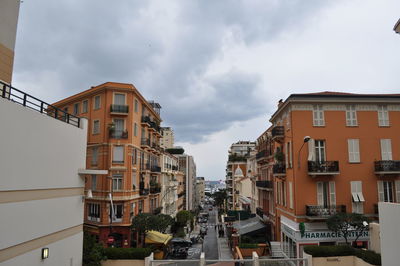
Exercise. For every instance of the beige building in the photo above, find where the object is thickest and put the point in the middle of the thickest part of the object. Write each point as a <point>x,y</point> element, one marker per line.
<point>188,167</point>
<point>170,175</point>
<point>9,10</point>
<point>167,140</point>
<point>200,186</point>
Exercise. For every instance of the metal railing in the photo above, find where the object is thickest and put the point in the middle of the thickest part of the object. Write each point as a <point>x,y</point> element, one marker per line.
<point>145,142</point>
<point>118,134</point>
<point>261,154</point>
<point>324,211</point>
<point>279,168</point>
<point>387,166</point>
<point>116,108</point>
<point>323,167</point>
<point>264,183</point>
<point>155,169</point>
<point>16,96</point>
<point>278,131</point>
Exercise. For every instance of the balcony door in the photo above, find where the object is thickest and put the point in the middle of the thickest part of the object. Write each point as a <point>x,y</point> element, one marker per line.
<point>119,99</point>
<point>320,151</point>
<point>326,195</point>
<point>119,127</point>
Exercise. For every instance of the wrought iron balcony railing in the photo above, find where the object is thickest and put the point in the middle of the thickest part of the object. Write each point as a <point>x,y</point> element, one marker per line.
<point>144,191</point>
<point>119,134</point>
<point>155,168</point>
<point>116,108</point>
<point>278,131</point>
<point>145,142</point>
<point>324,211</point>
<point>260,212</point>
<point>323,168</point>
<point>261,154</point>
<point>264,184</point>
<point>387,167</point>
<point>155,189</point>
<point>279,169</point>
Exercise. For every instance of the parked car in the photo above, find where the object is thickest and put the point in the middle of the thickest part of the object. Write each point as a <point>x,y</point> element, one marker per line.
<point>180,242</point>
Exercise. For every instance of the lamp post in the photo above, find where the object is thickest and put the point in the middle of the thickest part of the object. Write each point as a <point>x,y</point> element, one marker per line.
<point>305,140</point>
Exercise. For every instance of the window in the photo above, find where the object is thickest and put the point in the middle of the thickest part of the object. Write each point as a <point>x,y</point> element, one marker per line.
<point>284,194</point>
<point>118,212</point>
<point>96,102</point>
<point>96,127</point>
<point>94,182</point>
<point>119,99</point>
<point>119,127</point>
<point>318,116</point>
<point>95,155</point>
<point>116,182</point>
<point>357,197</point>
<point>383,116</point>
<point>76,109</point>
<point>288,154</point>
<point>326,195</point>
<point>134,183</point>
<point>135,130</point>
<point>141,206</point>
<point>291,195</point>
<point>136,106</point>
<point>351,116</point>
<point>354,150</point>
<point>134,156</point>
<point>385,191</point>
<point>386,149</point>
<point>84,106</point>
<point>320,151</point>
<point>133,207</point>
<point>93,210</point>
<point>118,154</point>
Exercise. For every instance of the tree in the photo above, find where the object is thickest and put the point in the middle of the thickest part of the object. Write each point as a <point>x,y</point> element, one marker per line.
<point>93,252</point>
<point>220,197</point>
<point>183,217</point>
<point>144,222</point>
<point>160,222</point>
<point>345,223</point>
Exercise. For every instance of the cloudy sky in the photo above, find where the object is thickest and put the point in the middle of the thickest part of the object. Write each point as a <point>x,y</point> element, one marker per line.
<point>217,68</point>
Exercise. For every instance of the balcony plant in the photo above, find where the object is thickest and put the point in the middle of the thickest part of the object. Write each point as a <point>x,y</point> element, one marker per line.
<point>279,156</point>
<point>111,127</point>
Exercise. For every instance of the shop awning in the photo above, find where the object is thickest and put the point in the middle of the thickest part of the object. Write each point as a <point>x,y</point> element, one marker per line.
<point>249,225</point>
<point>155,237</point>
<point>244,200</point>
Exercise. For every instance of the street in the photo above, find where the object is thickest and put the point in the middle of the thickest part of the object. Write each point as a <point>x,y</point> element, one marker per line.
<point>210,245</point>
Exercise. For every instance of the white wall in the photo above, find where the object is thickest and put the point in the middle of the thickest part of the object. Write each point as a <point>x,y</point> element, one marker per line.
<point>39,152</point>
<point>66,252</point>
<point>9,10</point>
<point>389,219</point>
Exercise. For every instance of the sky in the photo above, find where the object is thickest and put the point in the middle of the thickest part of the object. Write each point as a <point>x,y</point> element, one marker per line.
<point>218,68</point>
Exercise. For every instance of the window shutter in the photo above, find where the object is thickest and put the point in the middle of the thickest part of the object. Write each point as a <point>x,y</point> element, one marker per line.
<point>320,194</point>
<point>381,196</point>
<point>354,152</point>
<point>397,186</point>
<point>291,195</point>
<point>118,154</point>
<point>311,150</point>
<point>286,156</point>
<point>332,193</point>
<point>386,149</point>
<point>290,154</point>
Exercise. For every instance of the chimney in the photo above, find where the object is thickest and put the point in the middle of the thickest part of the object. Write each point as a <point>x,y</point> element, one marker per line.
<point>280,103</point>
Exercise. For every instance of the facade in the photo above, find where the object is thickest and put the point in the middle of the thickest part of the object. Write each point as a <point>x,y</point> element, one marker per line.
<point>123,138</point>
<point>42,186</point>
<point>188,167</point>
<point>167,140</point>
<point>236,169</point>
<point>9,11</point>
<point>252,173</point>
<point>332,152</point>
<point>200,191</point>
<point>170,175</point>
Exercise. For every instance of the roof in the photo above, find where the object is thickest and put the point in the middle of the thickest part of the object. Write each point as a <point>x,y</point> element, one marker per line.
<point>331,96</point>
<point>249,225</point>
<point>155,237</point>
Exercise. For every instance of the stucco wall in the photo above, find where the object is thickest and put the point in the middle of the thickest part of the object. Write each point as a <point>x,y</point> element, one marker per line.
<point>374,237</point>
<point>335,261</point>
<point>389,218</point>
<point>40,189</point>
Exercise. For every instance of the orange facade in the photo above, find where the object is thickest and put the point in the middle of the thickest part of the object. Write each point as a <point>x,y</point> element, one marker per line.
<point>330,153</point>
<point>123,138</point>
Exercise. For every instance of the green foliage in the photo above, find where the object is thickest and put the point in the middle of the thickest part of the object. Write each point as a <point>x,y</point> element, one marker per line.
<point>93,252</point>
<point>183,217</point>
<point>345,222</point>
<point>180,233</point>
<point>279,156</point>
<point>236,158</point>
<point>146,221</point>
<point>302,228</point>
<point>248,245</point>
<point>334,251</point>
<point>127,253</point>
<point>176,150</point>
<point>220,197</point>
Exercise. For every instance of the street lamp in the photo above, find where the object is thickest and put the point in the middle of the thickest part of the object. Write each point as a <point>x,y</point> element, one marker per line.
<point>305,140</point>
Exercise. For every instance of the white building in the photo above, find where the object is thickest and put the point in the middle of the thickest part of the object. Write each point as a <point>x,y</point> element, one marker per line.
<point>188,167</point>
<point>167,140</point>
<point>41,189</point>
<point>169,191</point>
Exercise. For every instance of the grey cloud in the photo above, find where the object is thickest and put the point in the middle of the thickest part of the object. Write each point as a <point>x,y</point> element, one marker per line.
<point>165,51</point>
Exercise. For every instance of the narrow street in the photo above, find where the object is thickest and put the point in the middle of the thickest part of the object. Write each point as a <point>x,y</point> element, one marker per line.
<point>210,245</point>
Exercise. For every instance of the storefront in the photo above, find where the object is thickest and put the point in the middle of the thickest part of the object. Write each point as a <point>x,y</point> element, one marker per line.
<point>293,240</point>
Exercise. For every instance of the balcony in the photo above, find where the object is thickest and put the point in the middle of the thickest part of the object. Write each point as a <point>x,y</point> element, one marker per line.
<point>260,212</point>
<point>145,167</point>
<point>323,168</point>
<point>145,143</point>
<point>279,169</point>
<point>119,109</point>
<point>155,189</point>
<point>388,167</point>
<point>145,121</point>
<point>278,133</point>
<point>323,212</point>
<point>264,184</point>
<point>118,134</point>
<point>155,169</point>
<point>144,192</point>
<point>261,154</point>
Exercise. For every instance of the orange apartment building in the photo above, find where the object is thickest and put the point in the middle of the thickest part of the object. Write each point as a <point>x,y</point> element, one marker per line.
<point>327,153</point>
<point>123,138</point>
